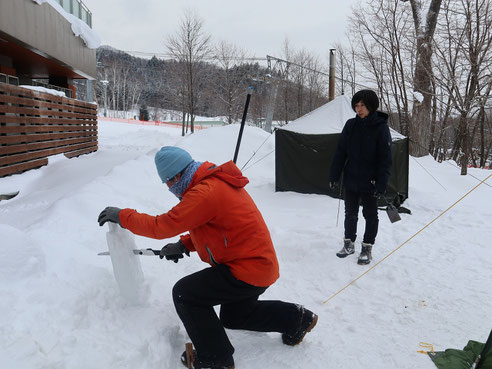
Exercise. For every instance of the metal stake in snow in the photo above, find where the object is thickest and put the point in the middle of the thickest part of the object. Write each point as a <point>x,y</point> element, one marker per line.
<point>126,266</point>
<point>243,121</point>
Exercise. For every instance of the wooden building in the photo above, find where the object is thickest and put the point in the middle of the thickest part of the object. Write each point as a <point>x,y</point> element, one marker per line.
<point>38,47</point>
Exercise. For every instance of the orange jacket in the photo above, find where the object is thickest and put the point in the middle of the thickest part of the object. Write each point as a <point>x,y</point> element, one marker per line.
<point>224,223</point>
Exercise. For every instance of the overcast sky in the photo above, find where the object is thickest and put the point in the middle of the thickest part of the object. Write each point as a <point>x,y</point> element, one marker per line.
<point>259,26</point>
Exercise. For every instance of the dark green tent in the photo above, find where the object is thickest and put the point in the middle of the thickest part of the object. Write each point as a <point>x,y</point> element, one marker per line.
<point>475,355</point>
<point>304,150</point>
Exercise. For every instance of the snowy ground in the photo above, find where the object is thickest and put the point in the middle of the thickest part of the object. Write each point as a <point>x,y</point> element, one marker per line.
<point>60,306</point>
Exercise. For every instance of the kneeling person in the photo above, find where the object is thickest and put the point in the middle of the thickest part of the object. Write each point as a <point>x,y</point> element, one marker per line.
<point>228,232</point>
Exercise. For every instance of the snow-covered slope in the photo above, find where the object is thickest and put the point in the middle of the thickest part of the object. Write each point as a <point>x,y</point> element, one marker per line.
<point>60,306</point>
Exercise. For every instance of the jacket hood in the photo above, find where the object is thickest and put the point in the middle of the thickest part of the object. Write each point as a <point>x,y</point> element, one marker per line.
<point>227,172</point>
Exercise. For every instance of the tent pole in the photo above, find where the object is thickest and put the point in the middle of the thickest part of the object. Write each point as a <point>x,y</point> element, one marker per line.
<point>243,121</point>
<point>339,201</point>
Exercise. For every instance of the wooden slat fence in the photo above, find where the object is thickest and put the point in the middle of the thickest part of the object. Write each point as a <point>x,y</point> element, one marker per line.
<point>35,125</point>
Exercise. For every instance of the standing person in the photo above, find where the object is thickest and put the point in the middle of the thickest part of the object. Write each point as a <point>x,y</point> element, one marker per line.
<point>363,155</point>
<point>228,232</point>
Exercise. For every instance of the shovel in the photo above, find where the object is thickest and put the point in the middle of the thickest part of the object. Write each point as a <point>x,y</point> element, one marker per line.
<point>392,212</point>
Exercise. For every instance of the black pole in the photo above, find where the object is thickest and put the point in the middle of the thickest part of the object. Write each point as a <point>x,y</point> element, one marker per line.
<point>243,121</point>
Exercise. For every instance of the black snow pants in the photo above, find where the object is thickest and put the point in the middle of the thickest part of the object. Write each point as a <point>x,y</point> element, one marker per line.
<point>369,211</point>
<point>196,294</point>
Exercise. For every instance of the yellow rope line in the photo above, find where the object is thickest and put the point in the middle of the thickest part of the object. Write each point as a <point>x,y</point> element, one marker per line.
<point>399,247</point>
<point>425,345</point>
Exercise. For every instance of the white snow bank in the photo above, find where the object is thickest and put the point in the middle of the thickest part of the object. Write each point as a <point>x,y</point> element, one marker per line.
<point>66,310</point>
<point>79,27</point>
<point>20,256</point>
<point>45,90</point>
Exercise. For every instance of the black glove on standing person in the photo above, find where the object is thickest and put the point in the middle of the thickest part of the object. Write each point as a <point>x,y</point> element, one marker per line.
<point>377,195</point>
<point>110,214</point>
<point>333,185</point>
<point>174,251</point>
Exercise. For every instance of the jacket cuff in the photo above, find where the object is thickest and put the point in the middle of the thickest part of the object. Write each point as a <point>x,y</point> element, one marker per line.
<point>187,242</point>
<point>123,216</point>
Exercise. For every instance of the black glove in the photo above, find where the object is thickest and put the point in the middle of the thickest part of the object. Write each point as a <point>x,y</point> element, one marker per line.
<point>377,195</point>
<point>110,214</point>
<point>333,185</point>
<point>174,251</point>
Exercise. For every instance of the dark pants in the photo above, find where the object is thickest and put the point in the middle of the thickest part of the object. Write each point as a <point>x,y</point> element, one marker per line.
<point>369,211</point>
<point>195,295</point>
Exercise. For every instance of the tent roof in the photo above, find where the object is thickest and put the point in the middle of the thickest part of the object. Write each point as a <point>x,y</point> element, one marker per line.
<point>328,118</point>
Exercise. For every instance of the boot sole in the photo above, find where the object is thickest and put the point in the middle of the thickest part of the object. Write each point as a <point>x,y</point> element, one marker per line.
<point>363,262</point>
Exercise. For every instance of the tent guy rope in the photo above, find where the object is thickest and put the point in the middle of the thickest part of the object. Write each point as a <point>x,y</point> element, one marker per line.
<point>428,173</point>
<point>404,243</point>
<point>256,162</point>
<point>258,149</point>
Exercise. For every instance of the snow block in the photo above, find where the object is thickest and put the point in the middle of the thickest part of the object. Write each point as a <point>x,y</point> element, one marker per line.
<point>126,266</point>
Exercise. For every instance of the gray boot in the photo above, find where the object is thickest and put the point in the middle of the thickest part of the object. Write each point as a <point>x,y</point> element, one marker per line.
<point>365,256</point>
<point>347,249</point>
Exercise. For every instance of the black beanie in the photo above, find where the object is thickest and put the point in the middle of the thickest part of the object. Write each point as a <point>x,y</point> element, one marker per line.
<point>368,97</point>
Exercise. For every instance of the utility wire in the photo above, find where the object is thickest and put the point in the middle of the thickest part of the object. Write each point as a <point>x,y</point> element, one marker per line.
<point>404,243</point>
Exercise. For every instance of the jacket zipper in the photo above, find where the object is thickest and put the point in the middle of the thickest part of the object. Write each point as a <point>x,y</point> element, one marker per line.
<point>210,255</point>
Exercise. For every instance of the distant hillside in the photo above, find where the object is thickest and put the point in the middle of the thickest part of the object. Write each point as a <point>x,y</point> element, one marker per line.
<point>135,83</point>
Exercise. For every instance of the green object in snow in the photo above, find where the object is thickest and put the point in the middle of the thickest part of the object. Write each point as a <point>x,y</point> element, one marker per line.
<point>468,358</point>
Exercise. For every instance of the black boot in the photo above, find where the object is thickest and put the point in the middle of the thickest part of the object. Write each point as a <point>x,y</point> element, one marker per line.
<point>208,364</point>
<point>307,322</point>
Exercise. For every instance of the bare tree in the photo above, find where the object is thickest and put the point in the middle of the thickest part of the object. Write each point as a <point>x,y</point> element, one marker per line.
<point>190,45</point>
<point>464,63</point>
<point>347,66</point>
<point>382,44</point>
<point>287,54</point>
<point>397,55</point>
<point>232,79</point>
<point>484,121</point>
<point>134,92</point>
<point>302,82</point>
<point>124,86</point>
<point>425,26</point>
<point>315,83</point>
<point>307,80</point>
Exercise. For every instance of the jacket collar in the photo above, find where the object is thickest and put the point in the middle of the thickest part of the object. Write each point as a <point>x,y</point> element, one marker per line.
<point>227,172</point>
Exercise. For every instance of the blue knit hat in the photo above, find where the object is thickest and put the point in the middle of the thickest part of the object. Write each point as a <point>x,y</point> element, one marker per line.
<point>170,161</point>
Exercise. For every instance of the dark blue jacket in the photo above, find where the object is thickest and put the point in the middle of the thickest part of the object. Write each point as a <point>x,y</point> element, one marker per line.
<point>364,154</point>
